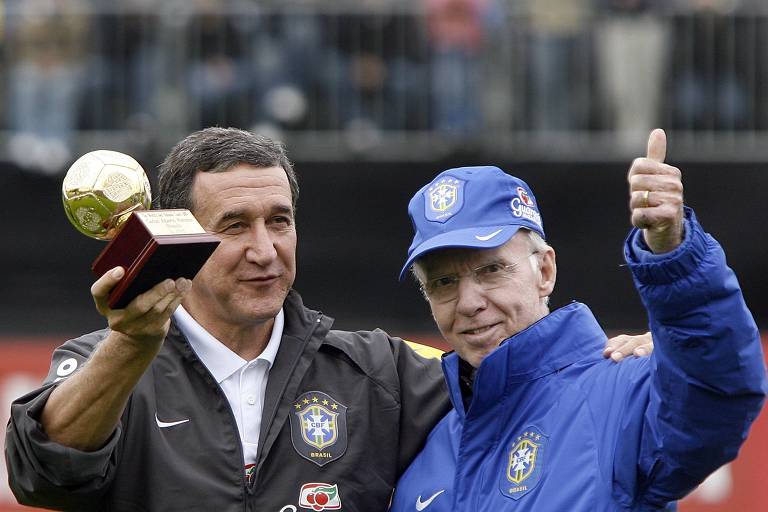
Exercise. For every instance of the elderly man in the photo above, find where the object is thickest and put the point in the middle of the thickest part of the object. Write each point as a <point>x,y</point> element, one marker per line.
<point>225,393</point>
<point>541,422</point>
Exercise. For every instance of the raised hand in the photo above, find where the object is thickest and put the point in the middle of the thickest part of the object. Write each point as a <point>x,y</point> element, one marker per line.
<point>656,196</point>
<point>147,317</point>
<point>83,410</point>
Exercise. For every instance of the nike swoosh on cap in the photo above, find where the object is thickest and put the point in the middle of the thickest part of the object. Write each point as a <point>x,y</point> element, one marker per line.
<point>485,238</point>
<point>421,505</point>
<point>166,424</point>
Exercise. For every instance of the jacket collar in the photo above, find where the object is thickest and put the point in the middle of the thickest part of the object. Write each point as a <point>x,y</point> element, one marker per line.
<point>558,340</point>
<point>299,320</point>
<point>217,357</point>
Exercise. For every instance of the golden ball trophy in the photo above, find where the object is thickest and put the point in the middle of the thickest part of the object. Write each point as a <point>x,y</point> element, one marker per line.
<point>106,196</point>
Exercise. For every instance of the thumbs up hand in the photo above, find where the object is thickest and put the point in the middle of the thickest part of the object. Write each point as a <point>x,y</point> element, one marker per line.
<point>656,196</point>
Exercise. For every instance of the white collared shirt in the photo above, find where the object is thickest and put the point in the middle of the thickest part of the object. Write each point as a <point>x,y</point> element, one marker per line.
<point>243,382</point>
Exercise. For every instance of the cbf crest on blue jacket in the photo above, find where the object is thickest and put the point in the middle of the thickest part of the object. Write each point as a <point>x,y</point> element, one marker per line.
<point>555,427</point>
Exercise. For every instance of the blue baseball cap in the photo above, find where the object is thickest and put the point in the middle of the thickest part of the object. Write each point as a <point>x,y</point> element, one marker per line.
<point>475,207</point>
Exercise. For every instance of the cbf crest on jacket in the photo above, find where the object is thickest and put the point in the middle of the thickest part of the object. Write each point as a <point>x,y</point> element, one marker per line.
<point>553,426</point>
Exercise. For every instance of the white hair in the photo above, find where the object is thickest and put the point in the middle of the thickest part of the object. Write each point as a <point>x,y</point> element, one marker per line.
<point>537,245</point>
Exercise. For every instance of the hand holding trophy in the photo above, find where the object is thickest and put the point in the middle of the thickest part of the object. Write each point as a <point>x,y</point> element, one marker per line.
<point>107,196</point>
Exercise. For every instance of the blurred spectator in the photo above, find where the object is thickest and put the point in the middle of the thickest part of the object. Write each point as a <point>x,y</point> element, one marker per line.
<point>375,71</point>
<point>559,61</point>
<point>123,65</point>
<point>631,46</point>
<point>710,53</point>
<point>46,40</point>
<point>504,74</point>
<point>457,33</point>
<point>285,57</point>
<point>218,77</point>
<point>3,96</point>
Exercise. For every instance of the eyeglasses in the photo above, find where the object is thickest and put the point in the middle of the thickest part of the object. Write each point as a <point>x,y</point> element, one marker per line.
<point>489,276</point>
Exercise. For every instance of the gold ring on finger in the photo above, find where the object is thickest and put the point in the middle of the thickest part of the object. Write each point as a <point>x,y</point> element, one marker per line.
<point>646,194</point>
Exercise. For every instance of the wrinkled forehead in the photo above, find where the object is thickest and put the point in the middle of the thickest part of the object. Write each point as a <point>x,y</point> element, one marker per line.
<point>240,181</point>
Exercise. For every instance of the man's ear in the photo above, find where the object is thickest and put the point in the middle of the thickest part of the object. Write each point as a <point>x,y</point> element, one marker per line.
<point>547,271</point>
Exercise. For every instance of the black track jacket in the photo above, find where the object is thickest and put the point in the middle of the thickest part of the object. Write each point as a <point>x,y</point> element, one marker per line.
<point>344,414</point>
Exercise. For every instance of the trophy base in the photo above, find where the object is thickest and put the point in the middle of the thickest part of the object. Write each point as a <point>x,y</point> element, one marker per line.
<point>149,257</point>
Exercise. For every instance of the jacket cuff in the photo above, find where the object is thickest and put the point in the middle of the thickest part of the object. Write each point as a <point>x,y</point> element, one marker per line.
<point>650,268</point>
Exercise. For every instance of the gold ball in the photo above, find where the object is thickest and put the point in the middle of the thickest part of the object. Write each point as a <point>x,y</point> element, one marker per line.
<point>100,191</point>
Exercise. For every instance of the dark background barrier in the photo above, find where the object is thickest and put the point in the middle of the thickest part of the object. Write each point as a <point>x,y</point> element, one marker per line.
<point>354,233</point>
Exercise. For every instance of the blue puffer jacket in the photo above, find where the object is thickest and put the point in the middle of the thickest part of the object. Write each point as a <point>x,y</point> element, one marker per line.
<point>555,427</point>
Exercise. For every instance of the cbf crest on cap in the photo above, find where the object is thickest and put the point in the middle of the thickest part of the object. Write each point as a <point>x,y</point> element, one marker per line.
<point>475,207</point>
<point>444,197</point>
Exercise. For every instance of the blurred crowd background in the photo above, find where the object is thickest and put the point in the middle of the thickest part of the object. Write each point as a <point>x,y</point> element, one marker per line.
<point>383,78</point>
<point>373,98</point>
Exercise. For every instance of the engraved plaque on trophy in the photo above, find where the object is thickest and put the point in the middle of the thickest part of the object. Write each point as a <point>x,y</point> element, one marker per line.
<point>106,195</point>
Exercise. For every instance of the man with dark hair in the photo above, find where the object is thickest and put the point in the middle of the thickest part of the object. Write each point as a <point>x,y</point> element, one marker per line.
<point>540,421</point>
<point>226,394</point>
<point>218,150</point>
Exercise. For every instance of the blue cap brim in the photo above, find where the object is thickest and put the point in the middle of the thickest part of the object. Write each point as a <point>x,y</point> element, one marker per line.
<point>473,238</point>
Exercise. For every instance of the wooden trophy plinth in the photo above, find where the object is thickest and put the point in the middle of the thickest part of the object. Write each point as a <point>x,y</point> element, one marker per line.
<point>154,245</point>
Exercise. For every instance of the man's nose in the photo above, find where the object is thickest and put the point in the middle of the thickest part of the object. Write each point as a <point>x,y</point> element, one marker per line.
<point>260,248</point>
<point>470,298</point>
